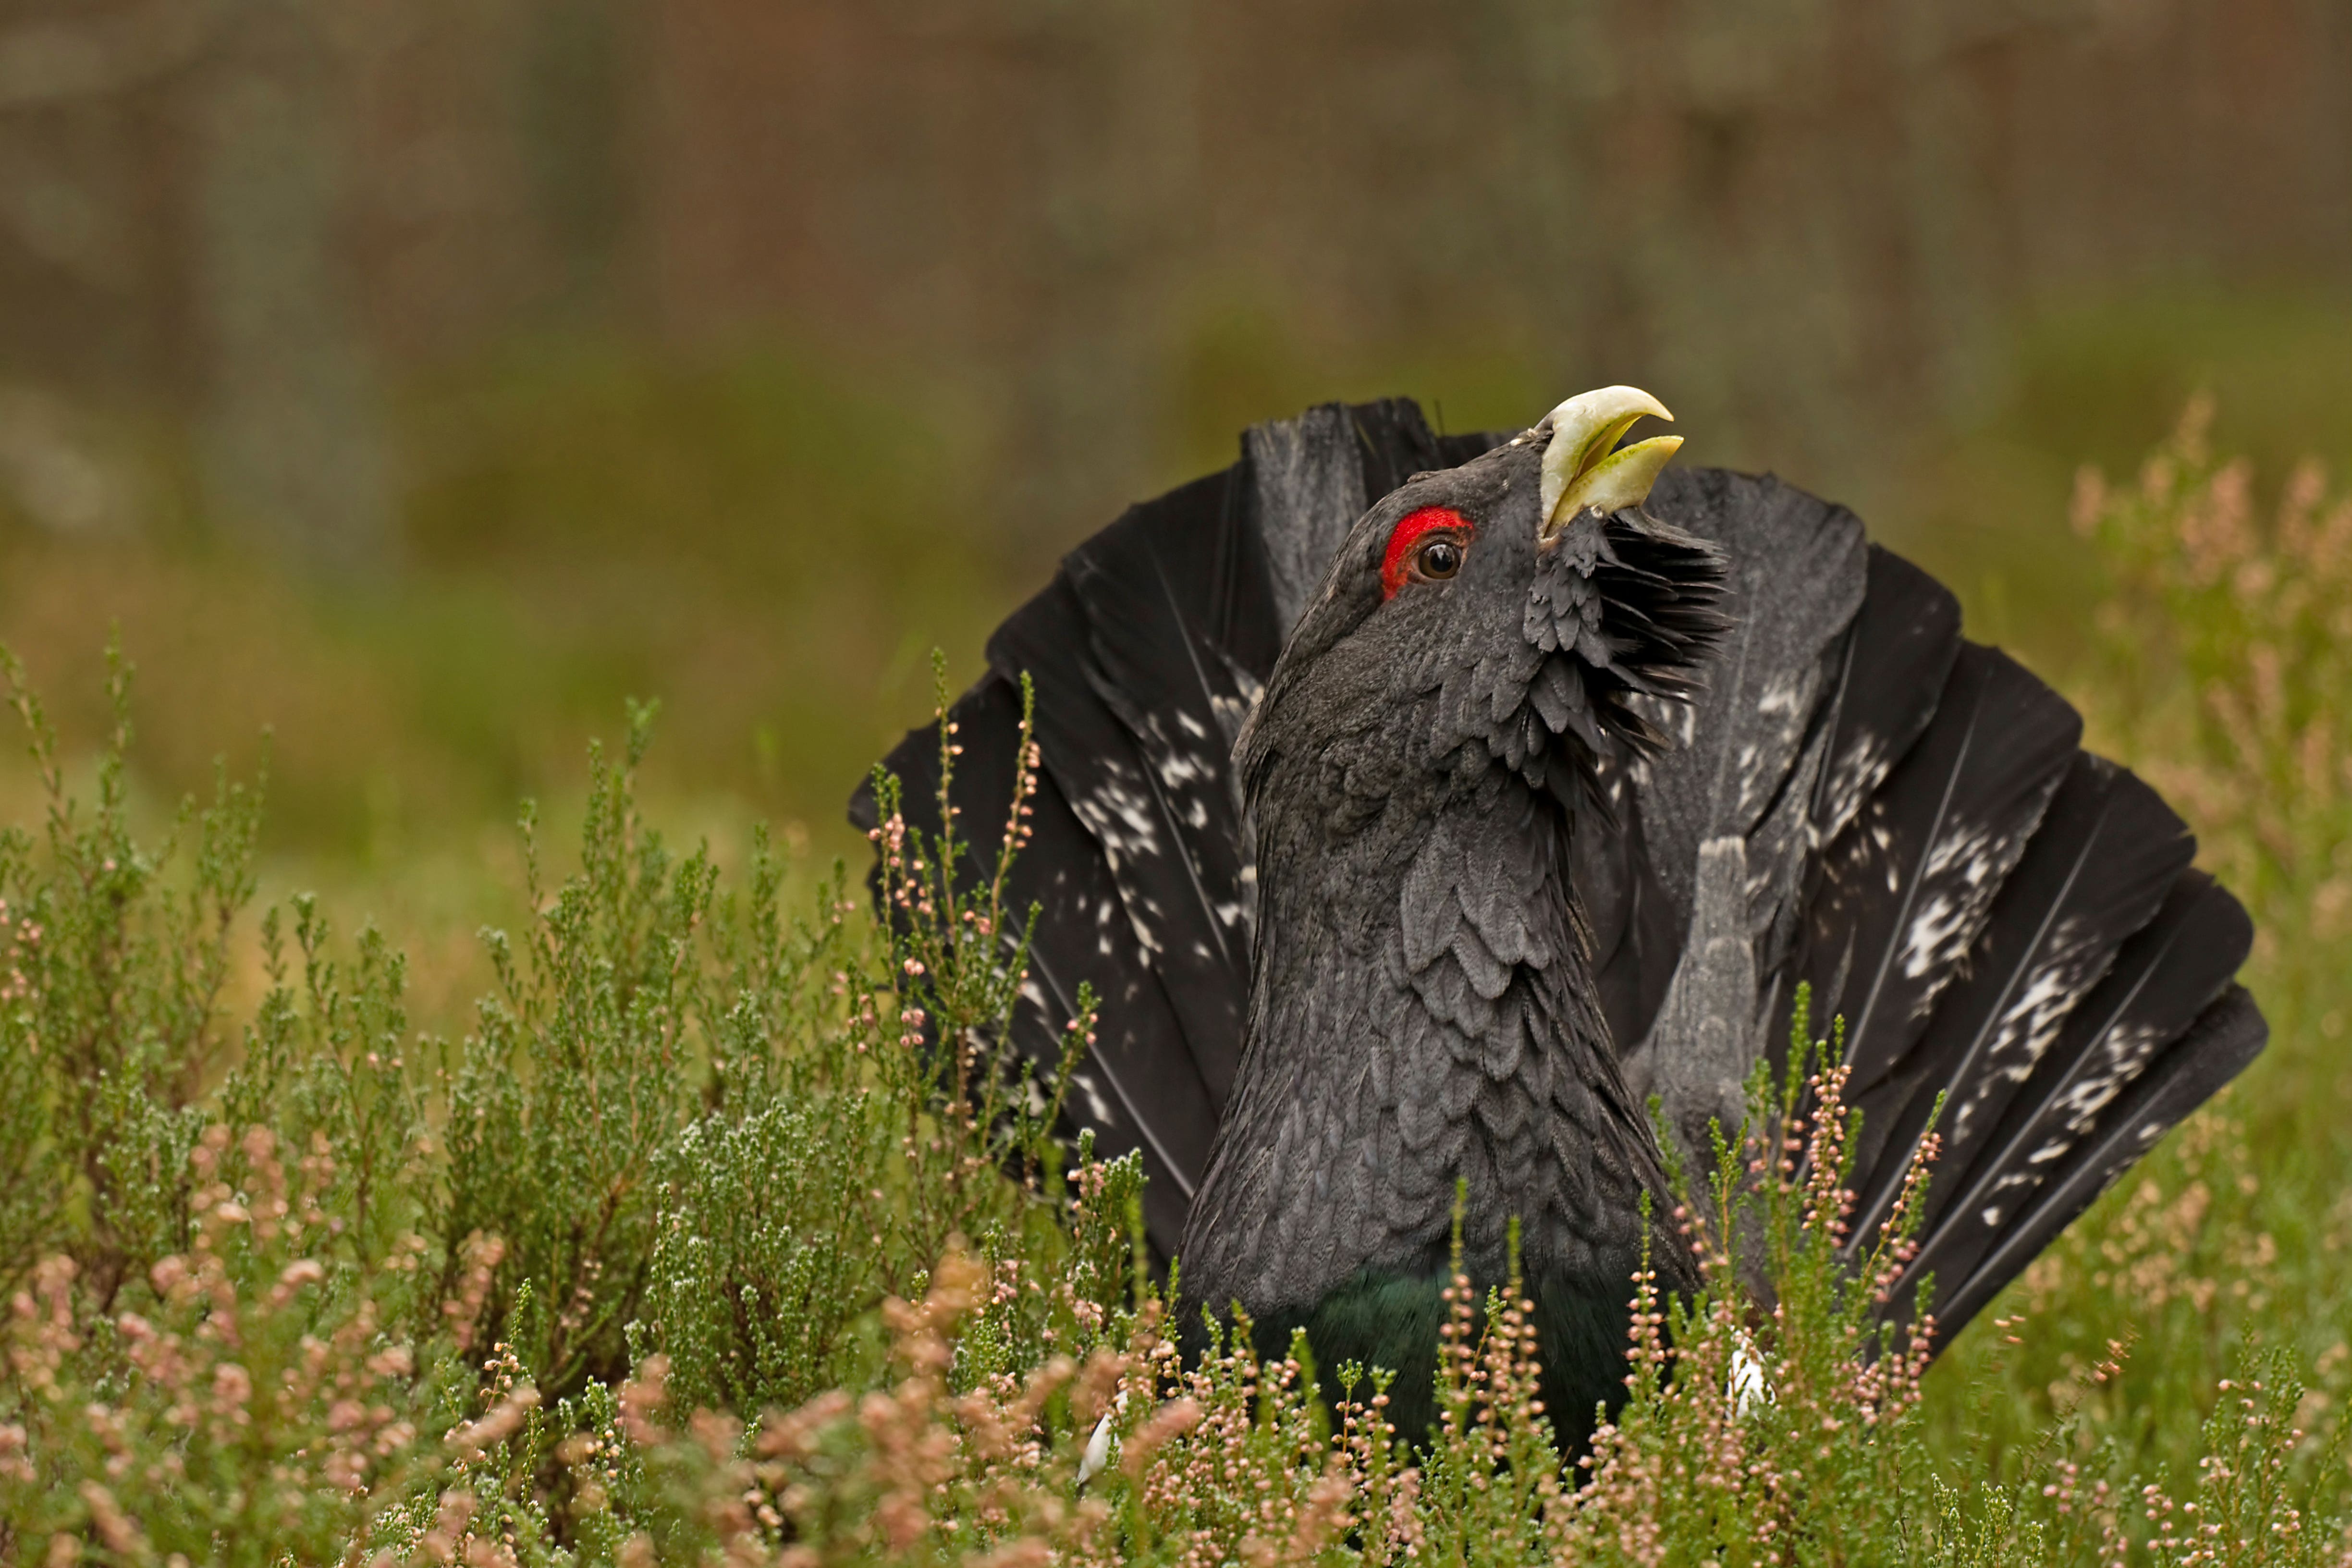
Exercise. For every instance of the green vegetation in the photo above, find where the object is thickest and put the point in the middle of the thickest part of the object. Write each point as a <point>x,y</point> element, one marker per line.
<point>674,1252</point>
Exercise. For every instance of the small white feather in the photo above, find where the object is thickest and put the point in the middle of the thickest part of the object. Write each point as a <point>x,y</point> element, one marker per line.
<point>1098,1454</point>
<point>1746,1386</point>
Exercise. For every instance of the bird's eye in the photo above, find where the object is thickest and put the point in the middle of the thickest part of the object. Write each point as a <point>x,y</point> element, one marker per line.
<point>1440,558</point>
<point>1427,545</point>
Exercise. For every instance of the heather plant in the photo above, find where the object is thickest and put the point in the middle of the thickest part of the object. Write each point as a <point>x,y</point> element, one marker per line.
<point>1742,1416</point>
<point>1787,1432</point>
<point>2227,651</point>
<point>687,1122</point>
<point>251,1398</point>
<point>109,975</point>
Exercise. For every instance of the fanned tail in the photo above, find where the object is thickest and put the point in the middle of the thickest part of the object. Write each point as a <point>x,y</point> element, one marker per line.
<point>2011,925</point>
<point>2005,923</point>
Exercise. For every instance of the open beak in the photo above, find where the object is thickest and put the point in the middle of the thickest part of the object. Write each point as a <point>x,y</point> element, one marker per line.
<point>1584,469</point>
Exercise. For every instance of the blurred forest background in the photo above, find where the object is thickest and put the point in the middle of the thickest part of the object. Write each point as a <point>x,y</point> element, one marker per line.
<point>420,377</point>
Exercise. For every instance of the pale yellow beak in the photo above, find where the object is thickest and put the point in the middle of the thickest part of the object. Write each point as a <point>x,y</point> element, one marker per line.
<point>1581,471</point>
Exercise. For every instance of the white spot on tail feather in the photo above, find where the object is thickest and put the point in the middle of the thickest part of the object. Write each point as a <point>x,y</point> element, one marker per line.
<point>2034,1019</point>
<point>1964,869</point>
<point>1098,1105</point>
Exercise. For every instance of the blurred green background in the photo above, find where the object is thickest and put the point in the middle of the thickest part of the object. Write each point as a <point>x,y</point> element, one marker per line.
<point>419,378</point>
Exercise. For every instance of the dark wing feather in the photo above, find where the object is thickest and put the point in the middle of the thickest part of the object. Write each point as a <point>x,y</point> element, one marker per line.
<point>1907,887</point>
<point>1637,939</point>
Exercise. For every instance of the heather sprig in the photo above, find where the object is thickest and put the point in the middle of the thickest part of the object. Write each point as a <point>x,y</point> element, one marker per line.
<point>1745,1407</point>
<point>255,1397</point>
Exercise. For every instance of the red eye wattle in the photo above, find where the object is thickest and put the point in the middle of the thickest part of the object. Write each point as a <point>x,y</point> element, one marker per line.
<point>1396,566</point>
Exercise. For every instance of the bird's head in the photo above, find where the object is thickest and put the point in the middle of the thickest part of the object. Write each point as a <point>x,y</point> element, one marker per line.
<point>1522,610</point>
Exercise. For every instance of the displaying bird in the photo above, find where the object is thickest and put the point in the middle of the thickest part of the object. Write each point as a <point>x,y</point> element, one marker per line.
<point>1420,806</point>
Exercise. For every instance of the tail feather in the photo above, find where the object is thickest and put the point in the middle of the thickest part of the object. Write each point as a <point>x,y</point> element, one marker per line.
<point>1725,815</point>
<point>1306,483</point>
<point>1136,714</point>
<point>2002,923</point>
<point>1137,1088</point>
<point>1908,886</point>
<point>1796,573</point>
<point>2105,854</point>
<point>1897,662</point>
<point>2163,978</point>
<point>2193,1069</point>
<point>1311,477</point>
